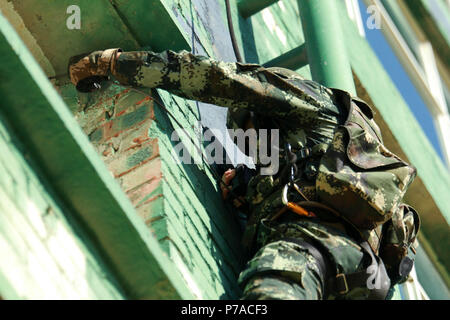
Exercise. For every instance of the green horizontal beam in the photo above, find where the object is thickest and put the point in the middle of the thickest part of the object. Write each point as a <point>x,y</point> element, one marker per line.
<point>431,277</point>
<point>248,8</point>
<point>293,59</point>
<point>66,159</point>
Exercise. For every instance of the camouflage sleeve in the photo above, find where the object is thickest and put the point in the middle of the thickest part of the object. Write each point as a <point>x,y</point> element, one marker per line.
<point>232,85</point>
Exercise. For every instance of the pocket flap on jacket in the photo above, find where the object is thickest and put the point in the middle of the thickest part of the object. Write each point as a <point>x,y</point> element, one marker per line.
<point>366,152</point>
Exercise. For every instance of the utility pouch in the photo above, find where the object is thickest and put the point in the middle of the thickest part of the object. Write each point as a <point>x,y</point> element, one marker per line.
<point>358,176</point>
<point>399,241</point>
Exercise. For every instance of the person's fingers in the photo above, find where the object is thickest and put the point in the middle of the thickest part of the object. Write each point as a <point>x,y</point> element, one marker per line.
<point>226,179</point>
<point>231,172</point>
<point>229,175</point>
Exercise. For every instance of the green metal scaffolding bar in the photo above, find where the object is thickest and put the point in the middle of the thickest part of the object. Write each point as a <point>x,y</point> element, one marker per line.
<point>250,7</point>
<point>293,59</point>
<point>325,44</point>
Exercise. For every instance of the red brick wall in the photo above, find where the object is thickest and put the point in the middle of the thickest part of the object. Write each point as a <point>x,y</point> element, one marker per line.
<point>118,125</point>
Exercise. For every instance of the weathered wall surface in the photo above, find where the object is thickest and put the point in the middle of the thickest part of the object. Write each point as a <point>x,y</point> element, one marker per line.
<point>179,203</point>
<point>43,255</point>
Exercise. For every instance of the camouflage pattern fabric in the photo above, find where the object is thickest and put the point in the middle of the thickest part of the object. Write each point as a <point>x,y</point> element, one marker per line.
<point>282,271</point>
<point>307,115</point>
<point>96,66</point>
<point>399,240</point>
<point>358,175</point>
<point>304,111</point>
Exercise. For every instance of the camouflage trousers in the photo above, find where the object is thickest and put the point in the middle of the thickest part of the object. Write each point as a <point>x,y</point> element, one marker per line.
<point>286,270</point>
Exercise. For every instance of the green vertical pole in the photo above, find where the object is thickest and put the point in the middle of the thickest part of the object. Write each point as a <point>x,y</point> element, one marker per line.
<point>325,44</point>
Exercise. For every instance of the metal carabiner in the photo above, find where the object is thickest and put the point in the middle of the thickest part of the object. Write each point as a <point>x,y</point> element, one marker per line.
<point>292,205</point>
<point>291,159</point>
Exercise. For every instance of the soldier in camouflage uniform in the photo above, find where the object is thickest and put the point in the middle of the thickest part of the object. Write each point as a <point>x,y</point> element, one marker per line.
<point>345,198</point>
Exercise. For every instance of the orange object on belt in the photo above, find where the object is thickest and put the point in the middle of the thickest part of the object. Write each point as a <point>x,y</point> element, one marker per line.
<point>299,210</point>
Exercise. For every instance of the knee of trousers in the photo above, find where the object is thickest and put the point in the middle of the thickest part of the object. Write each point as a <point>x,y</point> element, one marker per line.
<point>278,287</point>
<point>282,266</point>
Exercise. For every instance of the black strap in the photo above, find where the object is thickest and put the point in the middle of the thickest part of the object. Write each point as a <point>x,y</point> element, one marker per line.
<point>379,288</point>
<point>322,262</point>
<point>314,252</point>
<point>374,278</point>
<point>343,283</point>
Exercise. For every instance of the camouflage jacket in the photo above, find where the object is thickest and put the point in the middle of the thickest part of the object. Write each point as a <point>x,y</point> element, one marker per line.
<point>307,114</point>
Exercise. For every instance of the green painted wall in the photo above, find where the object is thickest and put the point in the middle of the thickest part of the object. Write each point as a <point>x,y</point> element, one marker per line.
<point>43,255</point>
<point>63,156</point>
<point>178,203</point>
<point>269,33</point>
